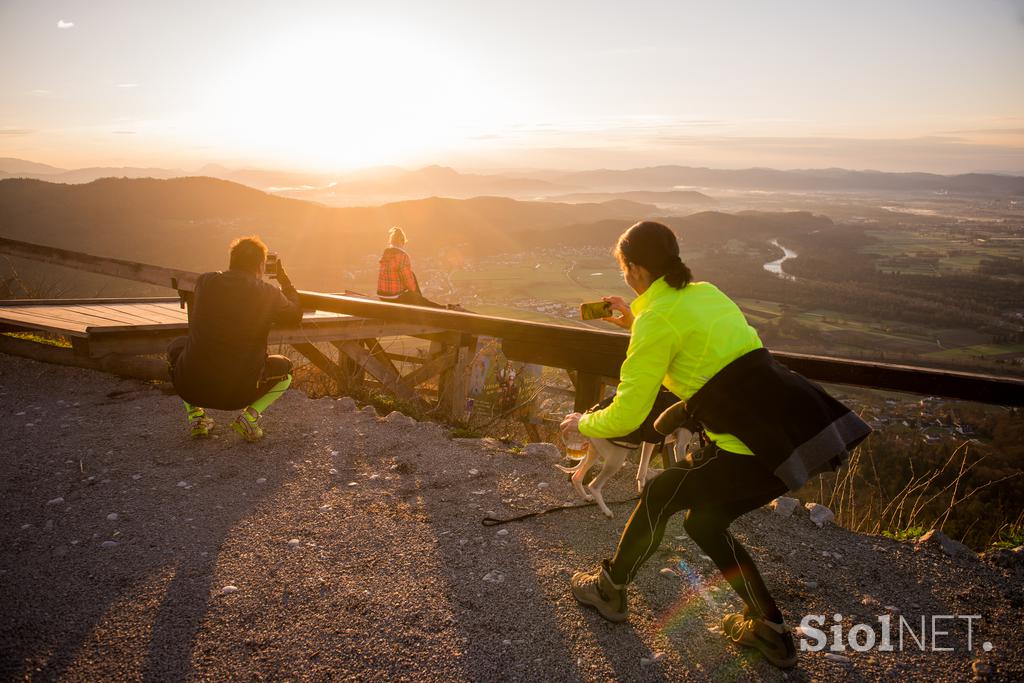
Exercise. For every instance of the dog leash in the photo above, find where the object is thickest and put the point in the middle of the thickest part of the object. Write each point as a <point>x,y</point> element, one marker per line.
<point>495,521</point>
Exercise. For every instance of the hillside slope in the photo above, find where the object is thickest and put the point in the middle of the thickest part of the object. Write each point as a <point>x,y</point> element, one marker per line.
<point>120,536</point>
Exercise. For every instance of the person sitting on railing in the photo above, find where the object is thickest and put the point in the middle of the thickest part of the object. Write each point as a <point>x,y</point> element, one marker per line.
<point>396,282</point>
<point>223,362</point>
<point>772,430</point>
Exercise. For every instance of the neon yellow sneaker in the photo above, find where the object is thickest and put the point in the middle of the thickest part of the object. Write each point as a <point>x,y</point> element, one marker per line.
<point>199,425</point>
<point>246,425</point>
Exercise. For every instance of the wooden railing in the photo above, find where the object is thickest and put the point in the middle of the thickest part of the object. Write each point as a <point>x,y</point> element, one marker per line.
<point>591,356</point>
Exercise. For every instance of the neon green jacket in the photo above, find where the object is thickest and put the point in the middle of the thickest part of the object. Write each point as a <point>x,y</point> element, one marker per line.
<point>680,339</point>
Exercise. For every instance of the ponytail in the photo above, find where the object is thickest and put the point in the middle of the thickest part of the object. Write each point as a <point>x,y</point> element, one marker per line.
<point>654,246</point>
<point>677,273</point>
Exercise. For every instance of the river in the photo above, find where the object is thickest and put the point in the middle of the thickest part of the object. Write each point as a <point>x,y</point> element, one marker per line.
<point>776,265</point>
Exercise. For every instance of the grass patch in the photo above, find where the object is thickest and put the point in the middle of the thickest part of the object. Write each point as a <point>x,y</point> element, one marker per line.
<point>59,342</point>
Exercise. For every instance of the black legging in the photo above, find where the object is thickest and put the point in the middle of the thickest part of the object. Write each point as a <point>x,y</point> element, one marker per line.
<point>716,487</point>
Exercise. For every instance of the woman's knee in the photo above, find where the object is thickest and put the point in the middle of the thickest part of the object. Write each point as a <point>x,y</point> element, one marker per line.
<point>701,525</point>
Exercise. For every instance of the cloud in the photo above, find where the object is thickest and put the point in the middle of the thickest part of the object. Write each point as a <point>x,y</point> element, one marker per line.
<point>65,24</point>
<point>123,132</point>
<point>39,91</point>
<point>989,131</point>
<point>15,131</point>
<point>127,85</point>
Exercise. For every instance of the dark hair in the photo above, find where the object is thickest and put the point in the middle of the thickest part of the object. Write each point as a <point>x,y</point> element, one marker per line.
<point>654,246</point>
<point>248,253</point>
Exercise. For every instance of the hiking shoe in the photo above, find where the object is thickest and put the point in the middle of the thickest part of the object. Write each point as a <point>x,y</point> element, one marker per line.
<point>597,589</point>
<point>773,640</point>
<point>199,426</point>
<point>246,425</point>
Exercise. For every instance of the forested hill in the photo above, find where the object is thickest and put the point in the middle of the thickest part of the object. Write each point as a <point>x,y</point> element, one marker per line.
<point>187,223</point>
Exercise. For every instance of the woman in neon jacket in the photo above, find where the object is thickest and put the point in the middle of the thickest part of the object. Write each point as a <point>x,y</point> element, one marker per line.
<point>683,335</point>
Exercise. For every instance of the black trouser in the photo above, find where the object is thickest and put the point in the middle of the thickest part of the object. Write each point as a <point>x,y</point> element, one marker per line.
<point>716,487</point>
<point>275,369</point>
<point>411,298</point>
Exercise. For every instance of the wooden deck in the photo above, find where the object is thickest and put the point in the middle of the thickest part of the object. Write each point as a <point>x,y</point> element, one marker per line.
<point>144,326</point>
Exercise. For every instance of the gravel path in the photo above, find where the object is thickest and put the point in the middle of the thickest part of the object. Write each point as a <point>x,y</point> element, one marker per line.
<point>347,546</point>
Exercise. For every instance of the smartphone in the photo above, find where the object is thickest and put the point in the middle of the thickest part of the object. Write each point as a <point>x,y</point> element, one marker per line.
<point>594,310</point>
<point>271,268</point>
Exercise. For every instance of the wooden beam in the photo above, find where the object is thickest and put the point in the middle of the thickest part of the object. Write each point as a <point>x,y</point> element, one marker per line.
<point>322,361</point>
<point>89,302</point>
<point>385,374</point>
<point>117,364</point>
<point>431,368</point>
<point>129,270</point>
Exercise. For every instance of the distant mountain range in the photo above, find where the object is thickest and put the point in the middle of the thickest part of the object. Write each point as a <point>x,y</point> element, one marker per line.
<point>829,179</point>
<point>389,184</point>
<point>371,186</point>
<point>666,198</point>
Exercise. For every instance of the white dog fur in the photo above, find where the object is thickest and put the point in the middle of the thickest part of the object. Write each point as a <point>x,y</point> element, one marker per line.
<point>613,458</point>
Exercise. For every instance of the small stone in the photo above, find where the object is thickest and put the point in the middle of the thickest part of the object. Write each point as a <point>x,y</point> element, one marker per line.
<point>353,483</point>
<point>261,480</point>
<point>948,545</point>
<point>108,544</point>
<point>838,659</point>
<point>820,514</point>
<point>182,484</point>
<point>345,403</point>
<point>506,642</point>
<point>784,506</point>
<point>136,477</point>
<point>542,485</point>
<point>112,517</point>
<point>369,410</point>
<point>399,418</point>
<point>294,542</point>
<point>893,608</point>
<point>26,526</point>
<point>868,601</point>
<point>980,668</point>
<point>810,584</point>
<point>669,572</point>
<point>494,576</point>
<point>503,532</point>
<point>55,501</point>
<point>228,590</point>
<point>332,471</point>
<point>542,450</point>
<point>473,473</point>
<point>334,454</point>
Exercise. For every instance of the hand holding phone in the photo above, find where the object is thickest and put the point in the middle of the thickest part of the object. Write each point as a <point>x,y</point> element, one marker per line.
<point>272,263</point>
<point>595,310</point>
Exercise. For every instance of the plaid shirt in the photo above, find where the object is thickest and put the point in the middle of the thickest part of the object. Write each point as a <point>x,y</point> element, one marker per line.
<point>395,274</point>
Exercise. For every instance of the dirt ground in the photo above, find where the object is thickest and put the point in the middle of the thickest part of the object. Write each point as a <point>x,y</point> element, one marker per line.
<point>349,547</point>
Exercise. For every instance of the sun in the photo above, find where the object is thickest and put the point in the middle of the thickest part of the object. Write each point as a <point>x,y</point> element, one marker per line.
<point>338,99</point>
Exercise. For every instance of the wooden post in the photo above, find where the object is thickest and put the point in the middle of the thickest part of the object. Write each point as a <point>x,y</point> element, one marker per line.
<point>454,383</point>
<point>588,391</point>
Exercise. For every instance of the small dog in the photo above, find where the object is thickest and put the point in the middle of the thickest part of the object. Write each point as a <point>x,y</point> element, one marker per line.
<point>614,456</point>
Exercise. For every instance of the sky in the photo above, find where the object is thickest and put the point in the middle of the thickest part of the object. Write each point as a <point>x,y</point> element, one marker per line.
<point>897,85</point>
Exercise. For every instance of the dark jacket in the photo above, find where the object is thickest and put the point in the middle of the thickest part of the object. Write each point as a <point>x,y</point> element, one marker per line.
<point>794,428</point>
<point>229,319</point>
